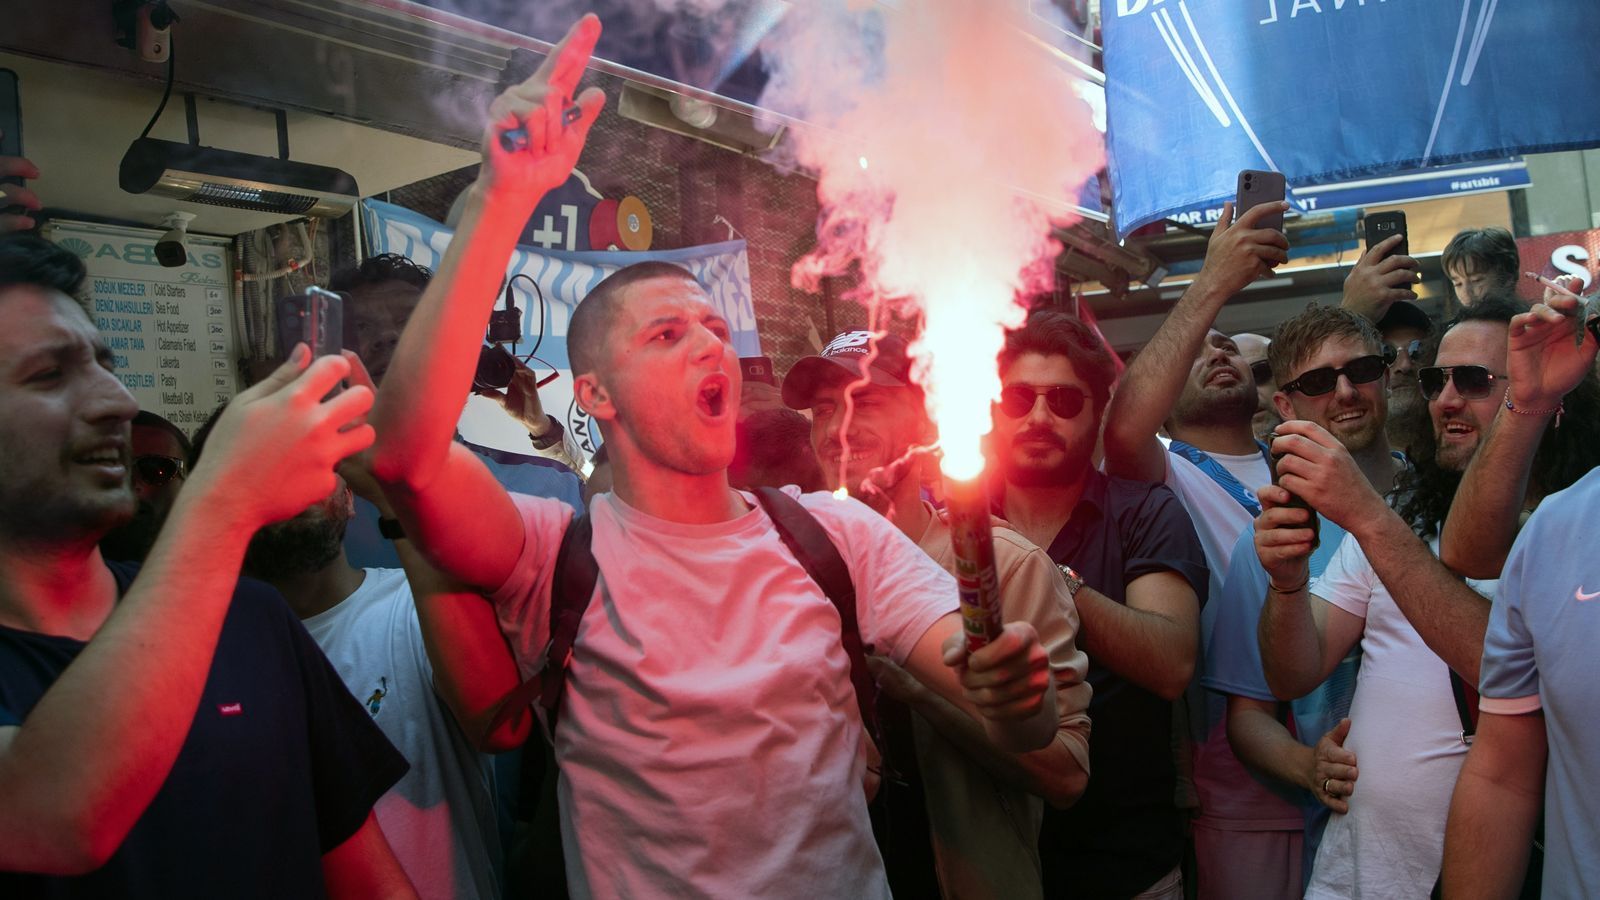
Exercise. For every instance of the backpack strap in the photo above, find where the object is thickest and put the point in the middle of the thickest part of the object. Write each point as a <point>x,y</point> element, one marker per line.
<point>571,589</point>
<point>577,573</point>
<point>810,544</point>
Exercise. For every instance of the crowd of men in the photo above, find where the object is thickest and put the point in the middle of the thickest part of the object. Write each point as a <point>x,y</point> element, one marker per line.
<point>1298,615</point>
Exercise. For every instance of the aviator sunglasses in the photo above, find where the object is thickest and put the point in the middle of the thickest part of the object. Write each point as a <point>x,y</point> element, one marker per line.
<point>1472,382</point>
<point>1064,402</point>
<point>156,470</point>
<point>1361,370</point>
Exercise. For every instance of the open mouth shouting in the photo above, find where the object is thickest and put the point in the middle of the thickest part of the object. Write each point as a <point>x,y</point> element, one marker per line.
<point>713,399</point>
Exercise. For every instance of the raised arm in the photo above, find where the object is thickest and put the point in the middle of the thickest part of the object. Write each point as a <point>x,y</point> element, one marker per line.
<point>473,667</point>
<point>459,516</point>
<point>1545,364</point>
<point>1378,279</point>
<point>1238,253</point>
<point>80,771</point>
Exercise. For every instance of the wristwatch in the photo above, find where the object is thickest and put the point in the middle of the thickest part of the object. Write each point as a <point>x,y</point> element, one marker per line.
<point>550,438</point>
<point>391,529</point>
<point>1074,580</point>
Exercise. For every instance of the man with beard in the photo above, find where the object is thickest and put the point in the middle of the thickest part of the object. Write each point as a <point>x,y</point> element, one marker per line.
<point>166,730</point>
<point>439,818</point>
<point>1138,577</point>
<point>160,456</point>
<point>1273,857</point>
<point>1405,329</point>
<point>983,804</point>
<point>1414,620</point>
<point>708,739</point>
<point>1214,465</point>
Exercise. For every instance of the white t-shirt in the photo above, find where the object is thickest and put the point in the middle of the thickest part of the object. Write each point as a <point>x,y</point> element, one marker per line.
<point>1406,735</point>
<point>440,818</point>
<point>709,733</point>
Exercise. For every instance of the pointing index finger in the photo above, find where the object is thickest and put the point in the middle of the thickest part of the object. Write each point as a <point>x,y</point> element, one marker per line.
<point>562,69</point>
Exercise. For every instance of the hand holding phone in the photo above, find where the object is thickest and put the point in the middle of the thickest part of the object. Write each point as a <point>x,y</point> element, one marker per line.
<point>1295,500</point>
<point>1255,188</point>
<point>1381,226</point>
<point>315,318</point>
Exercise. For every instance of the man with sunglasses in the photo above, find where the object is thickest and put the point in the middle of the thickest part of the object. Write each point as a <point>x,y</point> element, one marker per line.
<point>1405,329</point>
<point>984,804</point>
<point>1536,743</point>
<point>1309,348</point>
<point>1138,577</point>
<point>1414,620</point>
<point>160,457</point>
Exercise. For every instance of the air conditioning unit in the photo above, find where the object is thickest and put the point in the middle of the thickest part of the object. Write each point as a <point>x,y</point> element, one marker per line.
<point>236,180</point>
<point>698,119</point>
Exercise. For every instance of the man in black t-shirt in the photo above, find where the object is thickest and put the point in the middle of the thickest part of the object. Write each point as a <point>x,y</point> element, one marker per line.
<point>169,731</point>
<point>1138,577</point>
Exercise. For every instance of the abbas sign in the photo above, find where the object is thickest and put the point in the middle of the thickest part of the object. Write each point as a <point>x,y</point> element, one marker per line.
<point>1326,90</point>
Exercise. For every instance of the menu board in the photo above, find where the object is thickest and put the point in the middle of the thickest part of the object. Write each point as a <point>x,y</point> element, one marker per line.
<point>171,331</point>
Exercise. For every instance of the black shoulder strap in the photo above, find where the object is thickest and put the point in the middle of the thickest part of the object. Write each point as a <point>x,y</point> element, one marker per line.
<point>810,544</point>
<point>571,589</point>
<point>576,574</point>
<point>1466,706</point>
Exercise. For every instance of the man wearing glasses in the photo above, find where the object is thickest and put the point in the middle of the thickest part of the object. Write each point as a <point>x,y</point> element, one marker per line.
<point>1138,577</point>
<point>1405,328</point>
<point>1310,353</point>
<point>1415,621</point>
<point>160,457</point>
<point>984,804</point>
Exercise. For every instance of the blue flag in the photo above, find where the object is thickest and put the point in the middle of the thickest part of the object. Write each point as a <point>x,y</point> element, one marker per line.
<point>1323,90</point>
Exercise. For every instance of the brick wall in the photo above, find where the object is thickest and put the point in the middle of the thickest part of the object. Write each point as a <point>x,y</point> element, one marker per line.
<point>685,184</point>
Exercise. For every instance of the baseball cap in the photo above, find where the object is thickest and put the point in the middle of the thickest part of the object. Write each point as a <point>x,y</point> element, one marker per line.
<point>1405,314</point>
<point>890,368</point>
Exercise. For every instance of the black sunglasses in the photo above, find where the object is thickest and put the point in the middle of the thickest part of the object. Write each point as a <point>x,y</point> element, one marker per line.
<point>1361,370</point>
<point>1261,371</point>
<point>1472,382</point>
<point>156,470</point>
<point>1412,348</point>
<point>1064,402</point>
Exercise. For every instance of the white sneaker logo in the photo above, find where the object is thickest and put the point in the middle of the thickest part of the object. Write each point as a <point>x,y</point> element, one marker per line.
<point>1581,597</point>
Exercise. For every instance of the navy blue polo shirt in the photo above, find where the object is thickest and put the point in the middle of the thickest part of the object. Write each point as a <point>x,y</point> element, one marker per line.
<point>1126,832</point>
<point>280,765</point>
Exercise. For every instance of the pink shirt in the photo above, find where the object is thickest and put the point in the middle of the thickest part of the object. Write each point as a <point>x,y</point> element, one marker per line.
<point>709,732</point>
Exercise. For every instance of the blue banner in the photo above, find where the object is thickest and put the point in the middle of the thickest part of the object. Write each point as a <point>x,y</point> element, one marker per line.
<point>564,279</point>
<point>1333,90</point>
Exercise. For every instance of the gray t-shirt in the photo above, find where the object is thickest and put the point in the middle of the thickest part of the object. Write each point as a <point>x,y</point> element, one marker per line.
<point>440,817</point>
<point>1539,654</point>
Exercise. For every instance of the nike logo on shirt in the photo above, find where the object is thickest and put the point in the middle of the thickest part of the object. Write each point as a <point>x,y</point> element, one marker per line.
<point>1581,597</point>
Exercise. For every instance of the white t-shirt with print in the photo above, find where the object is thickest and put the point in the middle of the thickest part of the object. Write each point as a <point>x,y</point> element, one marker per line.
<point>709,733</point>
<point>1406,735</point>
<point>440,817</point>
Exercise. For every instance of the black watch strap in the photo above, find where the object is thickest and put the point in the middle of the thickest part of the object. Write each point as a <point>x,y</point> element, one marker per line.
<point>550,438</point>
<point>391,528</point>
